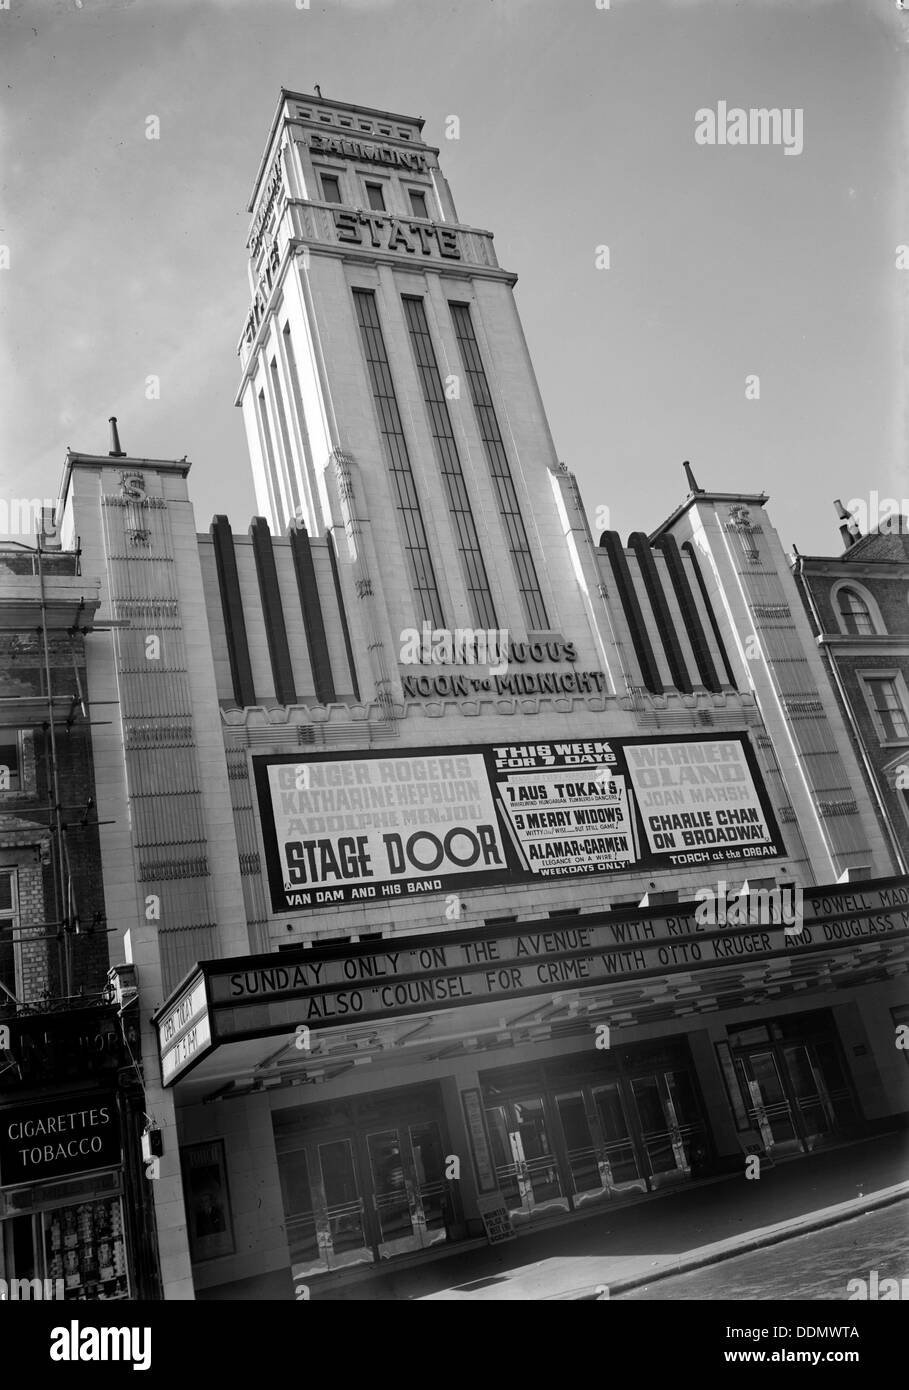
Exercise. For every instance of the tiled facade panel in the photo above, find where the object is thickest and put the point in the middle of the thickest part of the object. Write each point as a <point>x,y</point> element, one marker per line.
<point>651,627</point>
<point>219,647</point>
<point>764,622</point>
<point>263,679</point>
<point>334,633</point>
<point>300,655</point>
<point>439,293</point>
<point>677,622</point>
<point>703,612</point>
<point>619,620</point>
<point>525,437</point>
<point>699,573</point>
<point>650,622</point>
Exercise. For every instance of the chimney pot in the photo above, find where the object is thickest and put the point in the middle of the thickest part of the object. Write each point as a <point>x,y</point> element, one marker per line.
<point>692,481</point>
<point>115,452</point>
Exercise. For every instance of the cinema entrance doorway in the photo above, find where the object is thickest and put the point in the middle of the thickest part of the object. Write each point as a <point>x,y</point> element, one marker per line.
<point>364,1180</point>
<point>563,1137</point>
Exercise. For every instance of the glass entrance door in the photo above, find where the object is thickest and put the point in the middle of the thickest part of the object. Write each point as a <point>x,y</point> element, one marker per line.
<point>526,1164</point>
<point>511,1181</point>
<point>586,1169</point>
<point>624,1172</point>
<point>686,1116</point>
<point>433,1204</point>
<point>532,1148</point>
<point>793,1082</point>
<point>572,1133</point>
<point>812,1105</point>
<point>660,1134</point>
<point>768,1109</point>
<point>342,1222</point>
<point>410,1191</point>
<point>790,1101</point>
<point>364,1180</point>
<point>393,1195</point>
<point>308,1236</point>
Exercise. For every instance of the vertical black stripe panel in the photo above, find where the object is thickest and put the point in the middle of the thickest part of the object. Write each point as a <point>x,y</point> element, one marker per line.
<point>678,666</point>
<point>232,611</point>
<point>311,608</point>
<point>273,612</point>
<point>610,542</point>
<point>343,614</point>
<point>689,550</point>
<point>692,618</point>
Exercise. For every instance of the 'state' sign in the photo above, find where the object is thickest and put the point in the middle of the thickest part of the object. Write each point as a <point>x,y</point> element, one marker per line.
<point>394,234</point>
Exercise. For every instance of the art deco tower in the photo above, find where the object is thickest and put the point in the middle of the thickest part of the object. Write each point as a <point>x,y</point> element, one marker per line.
<point>387,391</point>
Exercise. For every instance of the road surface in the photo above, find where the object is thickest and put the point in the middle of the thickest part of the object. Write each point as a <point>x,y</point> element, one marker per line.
<point>815,1266</point>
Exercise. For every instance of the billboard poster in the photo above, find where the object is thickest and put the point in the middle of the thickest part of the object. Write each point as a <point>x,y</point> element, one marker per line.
<point>368,826</point>
<point>567,821</point>
<point>686,787</point>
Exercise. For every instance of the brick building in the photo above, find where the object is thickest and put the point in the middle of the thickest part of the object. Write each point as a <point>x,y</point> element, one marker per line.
<point>858,606</point>
<point>70,1101</point>
<point>65,902</point>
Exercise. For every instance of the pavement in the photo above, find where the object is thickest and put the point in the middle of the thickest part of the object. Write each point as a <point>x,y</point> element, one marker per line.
<point>601,1254</point>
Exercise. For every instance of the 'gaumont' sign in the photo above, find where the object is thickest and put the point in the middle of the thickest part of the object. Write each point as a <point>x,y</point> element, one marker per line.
<point>366,150</point>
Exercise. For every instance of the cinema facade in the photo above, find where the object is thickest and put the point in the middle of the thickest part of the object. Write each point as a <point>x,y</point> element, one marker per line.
<point>439,939</point>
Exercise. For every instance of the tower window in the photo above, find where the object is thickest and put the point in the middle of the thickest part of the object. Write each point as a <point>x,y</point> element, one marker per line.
<point>418,203</point>
<point>449,461</point>
<point>271,474</point>
<point>416,547</point>
<point>375,197</point>
<point>291,358</point>
<point>331,188</point>
<point>506,493</point>
<point>285,434</point>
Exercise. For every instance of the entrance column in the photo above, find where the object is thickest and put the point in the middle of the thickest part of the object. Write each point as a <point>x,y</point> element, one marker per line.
<point>868,1037</point>
<point>465,1078</point>
<point>716,1102</point>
